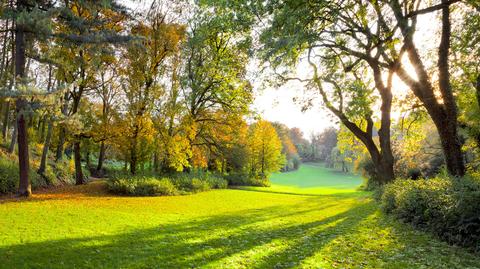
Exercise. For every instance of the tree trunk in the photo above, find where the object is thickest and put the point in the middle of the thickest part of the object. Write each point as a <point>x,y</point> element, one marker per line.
<point>6,119</point>
<point>62,133</point>
<point>155,162</point>
<point>133,158</point>
<point>43,162</point>
<point>101,156</point>
<point>79,180</point>
<point>444,113</point>
<point>87,159</point>
<point>41,127</point>
<point>24,188</point>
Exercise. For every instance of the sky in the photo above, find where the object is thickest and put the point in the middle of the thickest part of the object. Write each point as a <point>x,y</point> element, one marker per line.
<point>278,105</point>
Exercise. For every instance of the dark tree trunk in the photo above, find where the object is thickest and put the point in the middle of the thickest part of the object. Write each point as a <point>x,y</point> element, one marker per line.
<point>43,162</point>
<point>133,158</point>
<point>155,162</point>
<point>6,119</point>
<point>79,180</point>
<point>62,132</point>
<point>449,136</point>
<point>444,114</point>
<point>87,157</point>
<point>101,156</point>
<point>24,188</point>
<point>41,128</point>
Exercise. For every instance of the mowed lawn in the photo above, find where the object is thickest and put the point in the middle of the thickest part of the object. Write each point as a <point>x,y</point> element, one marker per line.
<point>313,178</point>
<point>84,227</point>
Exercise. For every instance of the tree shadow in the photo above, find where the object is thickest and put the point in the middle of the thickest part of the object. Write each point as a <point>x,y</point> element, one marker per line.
<point>336,227</point>
<point>193,243</point>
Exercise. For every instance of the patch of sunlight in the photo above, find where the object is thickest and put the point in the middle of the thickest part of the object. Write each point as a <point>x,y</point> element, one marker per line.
<point>248,258</point>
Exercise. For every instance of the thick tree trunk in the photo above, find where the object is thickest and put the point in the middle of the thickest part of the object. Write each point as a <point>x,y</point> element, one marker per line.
<point>451,146</point>
<point>444,113</point>
<point>101,156</point>
<point>46,145</point>
<point>24,188</point>
<point>79,180</point>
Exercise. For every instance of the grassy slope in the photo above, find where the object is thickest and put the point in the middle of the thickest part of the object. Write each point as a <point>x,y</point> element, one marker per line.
<point>312,178</point>
<point>81,227</point>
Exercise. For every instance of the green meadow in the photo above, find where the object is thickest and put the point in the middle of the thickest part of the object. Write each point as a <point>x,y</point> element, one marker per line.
<point>311,218</point>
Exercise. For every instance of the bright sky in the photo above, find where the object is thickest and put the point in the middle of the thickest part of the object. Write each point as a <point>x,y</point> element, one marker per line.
<point>278,105</point>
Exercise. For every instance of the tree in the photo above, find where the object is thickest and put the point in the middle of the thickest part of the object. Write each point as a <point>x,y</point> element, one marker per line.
<point>33,22</point>
<point>324,142</point>
<point>214,84</point>
<point>145,62</point>
<point>288,148</point>
<point>265,149</point>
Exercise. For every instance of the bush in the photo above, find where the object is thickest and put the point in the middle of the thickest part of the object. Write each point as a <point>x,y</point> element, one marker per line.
<point>198,185</point>
<point>142,186</point>
<point>176,184</point>
<point>198,181</point>
<point>448,207</point>
<point>244,179</point>
<point>9,176</point>
<point>65,171</point>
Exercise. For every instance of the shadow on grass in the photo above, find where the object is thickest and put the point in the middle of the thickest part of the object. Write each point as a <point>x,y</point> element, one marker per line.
<point>95,189</point>
<point>193,243</point>
<point>352,194</point>
<point>281,236</point>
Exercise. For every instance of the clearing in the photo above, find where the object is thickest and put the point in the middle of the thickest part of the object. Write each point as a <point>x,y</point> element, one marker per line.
<point>311,218</point>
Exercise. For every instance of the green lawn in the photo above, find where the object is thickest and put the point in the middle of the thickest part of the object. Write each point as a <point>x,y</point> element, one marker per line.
<point>82,227</point>
<point>312,178</point>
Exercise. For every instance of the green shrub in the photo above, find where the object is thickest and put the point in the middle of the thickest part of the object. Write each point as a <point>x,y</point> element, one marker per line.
<point>64,171</point>
<point>155,187</point>
<point>217,182</point>
<point>198,181</point>
<point>198,185</point>
<point>142,186</point>
<point>8,175</point>
<point>448,207</point>
<point>244,179</point>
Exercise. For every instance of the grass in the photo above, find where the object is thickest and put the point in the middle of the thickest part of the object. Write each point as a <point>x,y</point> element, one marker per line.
<point>83,227</point>
<point>312,179</point>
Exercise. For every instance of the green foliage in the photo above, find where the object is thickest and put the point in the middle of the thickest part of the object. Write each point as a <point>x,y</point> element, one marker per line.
<point>245,179</point>
<point>142,186</point>
<point>8,175</point>
<point>149,184</point>
<point>448,207</point>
